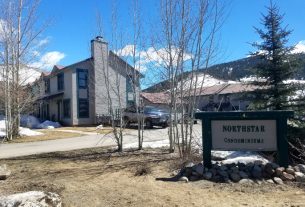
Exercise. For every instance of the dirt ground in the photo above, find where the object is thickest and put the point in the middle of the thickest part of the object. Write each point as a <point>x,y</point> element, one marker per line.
<point>99,177</point>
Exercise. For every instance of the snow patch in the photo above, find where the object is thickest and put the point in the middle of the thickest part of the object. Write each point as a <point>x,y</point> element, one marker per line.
<point>152,144</point>
<point>22,130</point>
<point>28,132</point>
<point>239,156</point>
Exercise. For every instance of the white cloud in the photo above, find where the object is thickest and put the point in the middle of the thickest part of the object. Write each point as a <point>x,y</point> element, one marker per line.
<point>159,57</point>
<point>48,60</point>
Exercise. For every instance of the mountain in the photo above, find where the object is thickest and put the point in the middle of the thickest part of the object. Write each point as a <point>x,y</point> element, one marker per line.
<point>231,71</point>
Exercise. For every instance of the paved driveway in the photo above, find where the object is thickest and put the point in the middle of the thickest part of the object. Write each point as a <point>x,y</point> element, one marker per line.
<point>152,138</point>
<point>29,148</point>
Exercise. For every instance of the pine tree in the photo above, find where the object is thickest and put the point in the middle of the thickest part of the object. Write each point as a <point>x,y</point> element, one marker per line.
<point>276,65</point>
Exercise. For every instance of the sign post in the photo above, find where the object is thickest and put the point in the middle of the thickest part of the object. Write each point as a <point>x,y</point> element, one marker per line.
<point>250,131</point>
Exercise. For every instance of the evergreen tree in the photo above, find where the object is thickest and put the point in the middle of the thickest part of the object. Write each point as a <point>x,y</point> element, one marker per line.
<point>276,65</point>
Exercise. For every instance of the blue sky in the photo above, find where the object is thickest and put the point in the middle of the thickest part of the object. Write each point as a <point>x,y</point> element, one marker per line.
<point>74,25</point>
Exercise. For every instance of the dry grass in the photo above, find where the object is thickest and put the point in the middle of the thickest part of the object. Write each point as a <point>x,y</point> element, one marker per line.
<point>93,129</point>
<point>99,177</point>
<point>48,134</point>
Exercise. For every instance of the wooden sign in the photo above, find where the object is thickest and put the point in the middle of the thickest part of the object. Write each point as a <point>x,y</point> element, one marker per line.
<point>249,131</point>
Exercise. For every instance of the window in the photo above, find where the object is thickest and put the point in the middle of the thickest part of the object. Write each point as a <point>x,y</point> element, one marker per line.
<point>82,78</point>
<point>67,109</point>
<point>47,86</point>
<point>60,81</point>
<point>83,108</point>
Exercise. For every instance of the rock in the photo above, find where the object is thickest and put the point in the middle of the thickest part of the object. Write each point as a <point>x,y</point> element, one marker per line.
<point>257,172</point>
<point>245,181</point>
<point>235,177</point>
<point>189,165</point>
<point>241,166</point>
<point>223,173</point>
<point>4,172</point>
<point>274,165</point>
<point>290,171</point>
<point>207,175</point>
<point>279,171</point>
<point>188,171</point>
<point>223,168</point>
<point>217,178</point>
<point>296,168</point>
<point>243,175</point>
<point>183,178</point>
<point>269,169</point>
<point>33,199</point>
<point>199,169</point>
<point>302,168</point>
<point>299,177</point>
<point>193,178</point>
<point>270,181</point>
<point>278,180</point>
<point>287,176</point>
<point>234,169</point>
<point>259,182</point>
<point>213,171</point>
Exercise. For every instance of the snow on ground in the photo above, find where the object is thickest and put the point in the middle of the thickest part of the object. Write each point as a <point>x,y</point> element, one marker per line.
<point>22,130</point>
<point>28,132</point>
<point>48,125</point>
<point>239,156</point>
<point>152,144</point>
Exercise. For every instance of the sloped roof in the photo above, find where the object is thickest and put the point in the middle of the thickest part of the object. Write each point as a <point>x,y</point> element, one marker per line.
<point>226,89</point>
<point>156,98</point>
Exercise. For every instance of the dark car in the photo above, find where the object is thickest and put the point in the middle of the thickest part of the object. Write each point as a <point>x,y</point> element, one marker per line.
<point>152,116</point>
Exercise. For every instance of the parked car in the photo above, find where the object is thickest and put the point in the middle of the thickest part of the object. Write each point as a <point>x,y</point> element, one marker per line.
<point>152,116</point>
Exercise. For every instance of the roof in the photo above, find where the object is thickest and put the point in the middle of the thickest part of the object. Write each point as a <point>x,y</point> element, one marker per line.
<point>225,89</point>
<point>156,98</point>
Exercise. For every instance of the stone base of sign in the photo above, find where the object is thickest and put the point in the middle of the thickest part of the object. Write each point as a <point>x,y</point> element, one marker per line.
<point>243,173</point>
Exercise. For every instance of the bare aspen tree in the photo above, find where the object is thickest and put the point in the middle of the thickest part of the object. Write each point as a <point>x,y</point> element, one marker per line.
<point>187,34</point>
<point>111,75</point>
<point>19,35</point>
<point>135,76</point>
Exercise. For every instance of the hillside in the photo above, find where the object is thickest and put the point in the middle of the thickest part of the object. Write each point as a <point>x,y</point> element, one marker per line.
<point>232,71</point>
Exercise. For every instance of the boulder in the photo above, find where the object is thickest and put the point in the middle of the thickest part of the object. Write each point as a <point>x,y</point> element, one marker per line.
<point>299,177</point>
<point>235,177</point>
<point>245,181</point>
<point>189,165</point>
<point>32,198</point>
<point>287,176</point>
<point>199,169</point>
<point>270,181</point>
<point>302,168</point>
<point>4,172</point>
<point>193,178</point>
<point>269,169</point>
<point>207,175</point>
<point>234,169</point>
<point>289,171</point>
<point>296,168</point>
<point>278,180</point>
<point>257,172</point>
<point>184,179</point>
<point>279,171</point>
<point>223,168</point>
<point>223,173</point>
<point>243,174</point>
